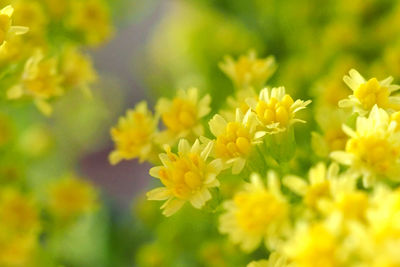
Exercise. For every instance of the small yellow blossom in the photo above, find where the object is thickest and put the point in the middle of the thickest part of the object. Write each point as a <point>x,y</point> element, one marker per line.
<point>40,80</point>
<point>57,9</point>
<point>317,188</point>
<point>31,15</point>
<point>91,19</point>
<point>17,250</point>
<point>77,69</point>
<point>256,213</point>
<point>366,94</point>
<point>133,136</point>
<point>18,213</point>
<point>347,203</point>
<point>373,149</point>
<point>70,197</point>
<point>6,28</point>
<point>186,176</point>
<point>275,109</point>
<point>314,245</point>
<point>182,115</point>
<point>234,140</point>
<point>248,71</point>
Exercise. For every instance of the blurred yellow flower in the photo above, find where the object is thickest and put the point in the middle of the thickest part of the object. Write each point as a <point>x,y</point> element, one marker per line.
<point>275,109</point>
<point>30,14</point>
<point>186,176</point>
<point>18,213</point>
<point>39,80</point>
<point>366,94</point>
<point>71,196</point>
<point>133,136</point>
<point>248,70</point>
<point>91,19</point>
<point>76,69</point>
<point>314,245</point>
<point>17,251</point>
<point>373,149</point>
<point>256,213</point>
<point>318,186</point>
<point>182,115</point>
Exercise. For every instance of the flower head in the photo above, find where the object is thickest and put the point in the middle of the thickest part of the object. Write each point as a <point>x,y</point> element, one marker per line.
<point>314,245</point>
<point>70,197</point>
<point>186,176</point>
<point>182,115</point>
<point>133,136</point>
<point>18,213</point>
<point>40,80</point>
<point>77,69</point>
<point>256,213</point>
<point>318,186</point>
<point>366,94</point>
<point>248,70</point>
<point>373,149</point>
<point>91,19</point>
<point>275,109</point>
<point>6,28</point>
<point>234,140</point>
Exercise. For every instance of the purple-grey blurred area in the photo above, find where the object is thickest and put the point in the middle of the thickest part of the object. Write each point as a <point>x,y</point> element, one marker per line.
<point>117,60</point>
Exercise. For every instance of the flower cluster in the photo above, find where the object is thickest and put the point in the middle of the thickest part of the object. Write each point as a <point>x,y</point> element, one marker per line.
<point>240,164</point>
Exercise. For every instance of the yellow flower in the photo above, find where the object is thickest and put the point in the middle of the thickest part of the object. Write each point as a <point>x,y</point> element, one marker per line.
<point>275,260</point>
<point>318,186</point>
<point>186,176</point>
<point>56,8</point>
<point>6,28</point>
<point>40,80</point>
<point>91,19</point>
<point>77,69</point>
<point>248,71</point>
<point>256,213</point>
<point>17,250</point>
<point>182,115</point>
<point>373,150</point>
<point>366,94</point>
<point>70,197</point>
<point>276,109</point>
<point>234,140</point>
<point>18,213</point>
<point>31,15</point>
<point>133,136</point>
<point>314,245</point>
<point>347,203</point>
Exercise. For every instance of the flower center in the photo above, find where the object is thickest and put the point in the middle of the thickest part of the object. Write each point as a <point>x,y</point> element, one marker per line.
<point>234,142</point>
<point>275,111</point>
<point>256,211</point>
<point>371,93</point>
<point>185,176</point>
<point>182,115</point>
<point>375,151</point>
